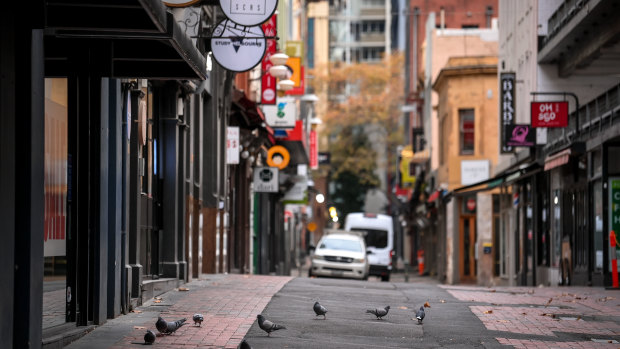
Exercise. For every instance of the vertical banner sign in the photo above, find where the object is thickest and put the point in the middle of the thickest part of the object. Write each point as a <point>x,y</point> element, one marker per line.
<point>314,151</point>
<point>232,145</point>
<point>268,82</point>
<point>507,108</point>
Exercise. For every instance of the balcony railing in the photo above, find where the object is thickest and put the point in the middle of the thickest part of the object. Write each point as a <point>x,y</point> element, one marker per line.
<point>567,10</point>
<point>594,117</point>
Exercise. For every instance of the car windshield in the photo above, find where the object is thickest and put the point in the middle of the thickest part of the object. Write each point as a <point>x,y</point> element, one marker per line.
<point>376,238</point>
<point>342,244</point>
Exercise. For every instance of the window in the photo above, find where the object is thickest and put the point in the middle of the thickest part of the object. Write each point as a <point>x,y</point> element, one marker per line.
<point>466,131</point>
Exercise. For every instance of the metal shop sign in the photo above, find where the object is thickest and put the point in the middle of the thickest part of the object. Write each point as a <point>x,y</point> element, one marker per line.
<point>282,115</point>
<point>507,108</point>
<point>248,12</point>
<point>236,47</point>
<point>266,179</point>
<point>520,136</point>
<point>549,114</point>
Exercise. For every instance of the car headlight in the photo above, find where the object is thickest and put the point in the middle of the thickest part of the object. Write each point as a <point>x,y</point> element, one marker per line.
<point>359,260</point>
<point>318,256</point>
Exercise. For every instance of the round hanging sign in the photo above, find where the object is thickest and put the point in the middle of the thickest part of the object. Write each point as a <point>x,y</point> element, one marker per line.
<point>238,48</point>
<point>278,156</point>
<point>248,12</point>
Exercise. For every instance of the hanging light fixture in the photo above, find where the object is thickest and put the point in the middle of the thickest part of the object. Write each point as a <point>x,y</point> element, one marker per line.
<point>285,85</point>
<point>278,71</point>
<point>278,58</point>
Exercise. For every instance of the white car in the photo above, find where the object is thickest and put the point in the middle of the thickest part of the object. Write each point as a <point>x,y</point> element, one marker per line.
<point>340,255</point>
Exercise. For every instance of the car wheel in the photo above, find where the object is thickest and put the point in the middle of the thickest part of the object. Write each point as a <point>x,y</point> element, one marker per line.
<point>310,273</point>
<point>385,278</point>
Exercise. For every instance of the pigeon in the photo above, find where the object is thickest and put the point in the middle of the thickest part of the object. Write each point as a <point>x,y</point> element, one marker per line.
<point>420,315</point>
<point>149,337</point>
<point>198,319</point>
<point>244,345</point>
<point>320,310</point>
<point>168,327</point>
<point>267,325</point>
<point>379,313</point>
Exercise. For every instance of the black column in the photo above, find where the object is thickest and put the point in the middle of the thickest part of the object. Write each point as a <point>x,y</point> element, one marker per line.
<point>134,192</point>
<point>115,205</point>
<point>29,175</point>
<point>165,98</point>
<point>8,159</point>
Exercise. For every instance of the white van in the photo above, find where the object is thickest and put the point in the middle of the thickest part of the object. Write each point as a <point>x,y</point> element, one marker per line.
<point>378,231</point>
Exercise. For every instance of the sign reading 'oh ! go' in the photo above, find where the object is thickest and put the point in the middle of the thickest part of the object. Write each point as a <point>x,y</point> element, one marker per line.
<point>236,47</point>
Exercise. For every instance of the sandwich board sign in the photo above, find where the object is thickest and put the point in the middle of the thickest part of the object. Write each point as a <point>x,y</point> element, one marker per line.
<point>236,47</point>
<point>248,12</point>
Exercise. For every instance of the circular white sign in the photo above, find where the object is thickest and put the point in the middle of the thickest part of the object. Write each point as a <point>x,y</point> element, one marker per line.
<point>269,94</point>
<point>248,12</point>
<point>236,47</point>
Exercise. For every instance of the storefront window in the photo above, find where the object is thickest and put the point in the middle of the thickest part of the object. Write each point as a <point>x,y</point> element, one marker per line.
<point>597,198</point>
<point>557,227</point>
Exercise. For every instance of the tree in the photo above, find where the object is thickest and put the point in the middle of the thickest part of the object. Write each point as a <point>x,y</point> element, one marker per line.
<point>362,98</point>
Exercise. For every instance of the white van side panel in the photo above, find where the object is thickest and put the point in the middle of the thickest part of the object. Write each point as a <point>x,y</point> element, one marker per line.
<point>379,256</point>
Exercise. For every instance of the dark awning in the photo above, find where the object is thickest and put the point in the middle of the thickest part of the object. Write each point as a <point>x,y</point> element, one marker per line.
<point>503,178</point>
<point>295,143</point>
<point>126,39</point>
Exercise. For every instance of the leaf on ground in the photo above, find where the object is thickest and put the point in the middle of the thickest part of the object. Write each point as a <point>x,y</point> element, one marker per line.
<point>136,311</point>
<point>530,291</point>
<point>442,301</point>
<point>492,290</point>
<point>548,302</point>
<point>183,289</point>
<point>157,297</point>
<point>523,313</point>
<point>503,321</point>
<point>139,327</point>
<point>488,312</point>
<point>426,305</point>
<point>157,301</point>
<point>402,307</point>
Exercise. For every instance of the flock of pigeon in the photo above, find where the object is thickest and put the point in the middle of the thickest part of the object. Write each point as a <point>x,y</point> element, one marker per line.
<point>169,327</point>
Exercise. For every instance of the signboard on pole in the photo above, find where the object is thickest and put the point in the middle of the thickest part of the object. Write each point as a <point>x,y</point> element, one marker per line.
<point>248,12</point>
<point>549,114</point>
<point>266,179</point>
<point>520,136</point>
<point>507,108</point>
<point>232,145</point>
<point>236,47</point>
<point>268,82</point>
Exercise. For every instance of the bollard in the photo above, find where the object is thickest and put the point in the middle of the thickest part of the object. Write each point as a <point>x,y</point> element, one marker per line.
<point>614,260</point>
<point>406,271</point>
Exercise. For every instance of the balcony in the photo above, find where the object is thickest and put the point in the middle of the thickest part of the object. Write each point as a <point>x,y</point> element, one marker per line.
<point>583,38</point>
<point>596,119</point>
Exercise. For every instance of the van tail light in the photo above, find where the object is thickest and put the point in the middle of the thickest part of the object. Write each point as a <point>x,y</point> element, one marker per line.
<point>391,255</point>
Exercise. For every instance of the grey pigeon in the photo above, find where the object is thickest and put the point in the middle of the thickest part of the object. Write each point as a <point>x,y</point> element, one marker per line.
<point>198,319</point>
<point>149,337</point>
<point>320,310</point>
<point>244,345</point>
<point>169,327</point>
<point>379,313</point>
<point>267,325</point>
<point>420,315</point>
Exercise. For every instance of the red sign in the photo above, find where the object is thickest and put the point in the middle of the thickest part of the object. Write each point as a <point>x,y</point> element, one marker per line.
<point>268,85</point>
<point>314,151</point>
<point>471,204</point>
<point>549,114</point>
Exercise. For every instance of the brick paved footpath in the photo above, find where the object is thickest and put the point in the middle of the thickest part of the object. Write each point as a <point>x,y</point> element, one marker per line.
<point>229,304</point>
<point>583,312</point>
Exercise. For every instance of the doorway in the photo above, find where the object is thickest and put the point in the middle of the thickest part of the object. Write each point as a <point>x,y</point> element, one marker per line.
<point>467,248</point>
